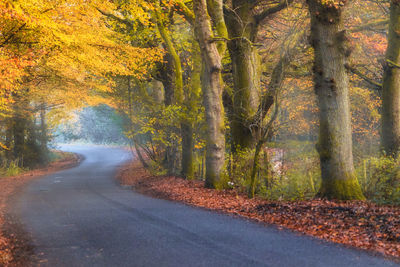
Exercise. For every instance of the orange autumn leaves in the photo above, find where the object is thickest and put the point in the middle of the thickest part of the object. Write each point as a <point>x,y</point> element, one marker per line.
<point>56,48</point>
<point>360,224</point>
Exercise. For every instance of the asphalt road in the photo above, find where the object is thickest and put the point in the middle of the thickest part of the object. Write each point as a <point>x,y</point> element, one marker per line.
<point>82,217</point>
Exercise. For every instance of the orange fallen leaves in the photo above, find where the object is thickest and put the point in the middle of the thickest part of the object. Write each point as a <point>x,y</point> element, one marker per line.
<point>359,224</point>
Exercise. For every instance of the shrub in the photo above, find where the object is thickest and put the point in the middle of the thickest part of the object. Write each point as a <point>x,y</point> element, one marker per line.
<point>287,171</point>
<point>380,179</point>
<point>11,169</point>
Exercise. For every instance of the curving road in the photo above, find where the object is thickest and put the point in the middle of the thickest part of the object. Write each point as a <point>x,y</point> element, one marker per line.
<point>82,217</point>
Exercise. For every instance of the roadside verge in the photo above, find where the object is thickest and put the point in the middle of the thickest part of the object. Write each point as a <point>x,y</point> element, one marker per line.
<point>15,247</point>
<point>357,224</point>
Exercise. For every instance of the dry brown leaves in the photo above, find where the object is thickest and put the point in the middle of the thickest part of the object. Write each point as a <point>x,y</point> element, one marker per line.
<point>11,242</point>
<point>357,223</point>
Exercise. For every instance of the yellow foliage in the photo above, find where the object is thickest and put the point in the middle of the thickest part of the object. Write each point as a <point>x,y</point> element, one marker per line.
<point>72,55</point>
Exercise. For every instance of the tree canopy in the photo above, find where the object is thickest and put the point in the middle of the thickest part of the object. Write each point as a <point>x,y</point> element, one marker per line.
<point>208,88</point>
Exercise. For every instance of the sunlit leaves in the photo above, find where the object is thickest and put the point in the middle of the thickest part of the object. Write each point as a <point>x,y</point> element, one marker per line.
<point>67,51</point>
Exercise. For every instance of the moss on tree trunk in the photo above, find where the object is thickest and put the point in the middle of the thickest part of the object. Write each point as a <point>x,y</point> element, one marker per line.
<point>341,189</point>
<point>246,71</point>
<point>391,86</point>
<point>187,150</point>
<point>331,86</point>
<point>212,86</point>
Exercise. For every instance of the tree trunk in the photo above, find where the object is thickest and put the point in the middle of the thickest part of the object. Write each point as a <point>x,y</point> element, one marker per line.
<point>176,61</point>
<point>192,96</point>
<point>331,86</point>
<point>255,168</point>
<point>215,9</point>
<point>139,154</point>
<point>172,151</point>
<point>391,86</point>
<point>19,127</point>
<point>157,91</point>
<point>166,76</point>
<point>43,138</point>
<point>187,150</point>
<point>242,29</point>
<point>9,137</point>
<point>212,86</point>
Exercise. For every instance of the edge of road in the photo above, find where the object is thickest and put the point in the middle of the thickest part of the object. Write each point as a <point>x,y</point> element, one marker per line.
<point>16,247</point>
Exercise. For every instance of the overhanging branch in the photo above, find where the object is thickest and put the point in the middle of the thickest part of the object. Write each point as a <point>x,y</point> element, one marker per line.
<point>370,26</point>
<point>372,82</point>
<point>125,21</point>
<point>270,11</point>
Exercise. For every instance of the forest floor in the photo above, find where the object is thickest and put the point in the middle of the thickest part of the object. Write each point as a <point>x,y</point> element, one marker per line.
<point>15,247</point>
<point>358,224</point>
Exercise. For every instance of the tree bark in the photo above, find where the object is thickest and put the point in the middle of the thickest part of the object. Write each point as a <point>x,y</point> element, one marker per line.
<point>212,86</point>
<point>242,28</point>
<point>139,154</point>
<point>187,150</point>
<point>176,61</point>
<point>166,76</point>
<point>186,127</point>
<point>9,137</point>
<point>331,86</point>
<point>19,127</point>
<point>215,9</point>
<point>43,137</point>
<point>391,86</point>
<point>243,18</point>
<point>192,95</point>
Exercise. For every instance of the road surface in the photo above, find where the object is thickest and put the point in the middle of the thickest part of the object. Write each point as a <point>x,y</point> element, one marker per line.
<point>82,217</point>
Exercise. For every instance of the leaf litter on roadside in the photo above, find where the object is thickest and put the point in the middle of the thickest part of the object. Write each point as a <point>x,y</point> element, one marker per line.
<point>356,223</point>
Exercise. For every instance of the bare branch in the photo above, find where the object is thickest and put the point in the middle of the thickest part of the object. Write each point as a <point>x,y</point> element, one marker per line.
<point>364,77</point>
<point>370,26</point>
<point>270,11</point>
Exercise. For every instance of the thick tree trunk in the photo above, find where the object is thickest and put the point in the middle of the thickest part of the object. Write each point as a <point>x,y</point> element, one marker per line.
<point>187,150</point>
<point>331,86</point>
<point>246,92</point>
<point>242,29</point>
<point>167,75</point>
<point>391,86</point>
<point>212,92</point>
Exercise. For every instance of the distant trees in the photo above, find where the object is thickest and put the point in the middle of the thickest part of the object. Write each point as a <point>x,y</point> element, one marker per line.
<point>52,60</point>
<point>99,125</point>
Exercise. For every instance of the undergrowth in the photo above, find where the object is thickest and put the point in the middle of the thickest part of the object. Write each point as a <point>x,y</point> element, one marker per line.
<point>291,171</point>
<point>11,168</point>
